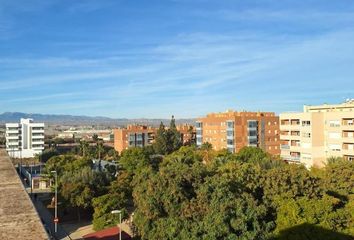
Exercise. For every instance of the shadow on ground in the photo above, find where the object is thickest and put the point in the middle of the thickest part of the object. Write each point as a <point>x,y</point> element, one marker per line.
<point>308,231</point>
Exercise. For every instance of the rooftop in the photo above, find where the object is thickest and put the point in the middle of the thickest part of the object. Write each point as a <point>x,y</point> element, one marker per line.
<point>107,234</point>
<point>18,217</point>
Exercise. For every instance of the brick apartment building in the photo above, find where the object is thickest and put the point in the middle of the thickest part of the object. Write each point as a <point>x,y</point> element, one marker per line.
<point>234,130</point>
<point>141,135</point>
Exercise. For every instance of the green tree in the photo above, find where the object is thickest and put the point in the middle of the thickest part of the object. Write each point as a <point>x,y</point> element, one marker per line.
<point>160,144</point>
<point>133,159</point>
<point>167,141</point>
<point>185,200</point>
<point>81,186</point>
<point>95,137</point>
<point>47,154</point>
<point>118,197</point>
<point>99,149</point>
<point>174,141</point>
<point>84,148</point>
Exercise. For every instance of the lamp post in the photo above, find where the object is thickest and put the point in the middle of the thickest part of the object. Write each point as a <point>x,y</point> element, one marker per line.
<point>56,202</point>
<point>120,222</point>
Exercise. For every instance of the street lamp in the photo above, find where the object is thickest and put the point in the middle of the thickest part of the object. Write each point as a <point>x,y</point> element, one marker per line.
<point>56,202</point>
<point>120,222</point>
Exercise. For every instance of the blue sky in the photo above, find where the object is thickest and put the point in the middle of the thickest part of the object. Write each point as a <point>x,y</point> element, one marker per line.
<point>149,58</point>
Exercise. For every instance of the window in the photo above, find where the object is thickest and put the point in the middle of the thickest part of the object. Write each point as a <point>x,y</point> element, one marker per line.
<point>276,131</point>
<point>252,141</point>
<point>269,123</point>
<point>252,133</point>
<point>230,133</point>
<point>230,124</point>
<point>334,123</point>
<point>276,147</point>
<point>252,124</point>
<point>270,148</point>
<point>306,123</point>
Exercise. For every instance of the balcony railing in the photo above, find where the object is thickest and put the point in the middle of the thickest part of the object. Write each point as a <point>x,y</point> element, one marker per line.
<point>285,146</point>
<point>291,158</point>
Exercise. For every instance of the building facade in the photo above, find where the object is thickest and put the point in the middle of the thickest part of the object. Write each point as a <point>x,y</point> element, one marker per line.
<point>24,139</point>
<point>141,135</point>
<point>187,133</point>
<point>235,130</point>
<point>316,134</point>
<point>133,136</point>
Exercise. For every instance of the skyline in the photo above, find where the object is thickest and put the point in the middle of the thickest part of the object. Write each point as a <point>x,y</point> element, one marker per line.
<point>160,58</point>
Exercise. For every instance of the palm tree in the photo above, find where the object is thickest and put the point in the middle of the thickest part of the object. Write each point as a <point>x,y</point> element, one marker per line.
<point>84,148</point>
<point>100,149</point>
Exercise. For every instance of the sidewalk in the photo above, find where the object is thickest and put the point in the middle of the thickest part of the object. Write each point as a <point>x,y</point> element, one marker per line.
<point>47,218</point>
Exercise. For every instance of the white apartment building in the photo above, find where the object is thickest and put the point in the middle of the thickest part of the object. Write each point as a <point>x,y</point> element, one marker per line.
<point>24,139</point>
<point>316,134</point>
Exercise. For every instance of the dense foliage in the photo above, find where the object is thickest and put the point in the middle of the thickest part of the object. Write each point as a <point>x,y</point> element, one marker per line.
<point>248,195</point>
<point>195,193</point>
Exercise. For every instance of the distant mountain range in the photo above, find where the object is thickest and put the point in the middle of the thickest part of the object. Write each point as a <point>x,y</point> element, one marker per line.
<point>83,120</point>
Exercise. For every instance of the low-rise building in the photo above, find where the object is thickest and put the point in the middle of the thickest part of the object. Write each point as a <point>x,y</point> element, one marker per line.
<point>234,130</point>
<point>24,139</point>
<point>317,133</point>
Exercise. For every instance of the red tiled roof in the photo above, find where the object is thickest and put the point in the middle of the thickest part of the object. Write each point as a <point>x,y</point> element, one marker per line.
<point>107,234</point>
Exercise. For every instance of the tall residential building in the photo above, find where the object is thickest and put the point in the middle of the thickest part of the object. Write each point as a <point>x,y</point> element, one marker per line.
<point>24,139</point>
<point>235,130</point>
<point>316,134</point>
<point>133,136</point>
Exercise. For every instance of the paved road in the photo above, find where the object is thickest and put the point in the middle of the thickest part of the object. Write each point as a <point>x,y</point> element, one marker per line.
<point>48,220</point>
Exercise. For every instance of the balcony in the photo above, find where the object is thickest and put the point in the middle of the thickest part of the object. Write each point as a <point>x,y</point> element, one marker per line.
<point>290,127</point>
<point>37,147</point>
<point>12,131</point>
<point>12,136</point>
<point>37,136</point>
<point>290,158</point>
<point>348,127</point>
<point>12,143</point>
<point>347,151</point>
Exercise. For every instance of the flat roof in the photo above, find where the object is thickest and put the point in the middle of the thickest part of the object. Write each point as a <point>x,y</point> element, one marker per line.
<point>18,217</point>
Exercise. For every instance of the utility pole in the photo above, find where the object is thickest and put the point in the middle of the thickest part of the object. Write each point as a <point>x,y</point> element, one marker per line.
<point>56,202</point>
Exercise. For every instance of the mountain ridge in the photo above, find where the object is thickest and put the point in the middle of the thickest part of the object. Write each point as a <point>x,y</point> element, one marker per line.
<point>82,119</point>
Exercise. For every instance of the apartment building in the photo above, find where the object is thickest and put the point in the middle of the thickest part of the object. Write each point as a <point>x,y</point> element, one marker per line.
<point>133,136</point>
<point>24,139</point>
<point>234,130</point>
<point>316,134</point>
<point>141,135</point>
<point>187,133</point>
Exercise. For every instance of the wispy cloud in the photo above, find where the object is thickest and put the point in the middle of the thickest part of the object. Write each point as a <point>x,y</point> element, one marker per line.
<point>239,61</point>
<point>298,16</point>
